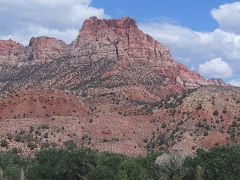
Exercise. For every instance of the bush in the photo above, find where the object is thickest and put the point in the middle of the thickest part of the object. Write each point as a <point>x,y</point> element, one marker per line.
<point>215,113</point>
<point>18,138</point>
<point>45,145</point>
<point>199,107</point>
<point>4,143</point>
<point>234,124</point>
<point>163,125</point>
<point>45,135</point>
<point>44,126</point>
<point>32,145</point>
<point>70,145</point>
<point>16,150</point>
<point>145,140</point>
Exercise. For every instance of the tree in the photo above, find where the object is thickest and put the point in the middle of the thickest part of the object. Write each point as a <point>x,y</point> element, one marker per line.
<point>221,162</point>
<point>131,169</point>
<point>171,165</point>
<point>12,166</point>
<point>78,163</point>
<point>102,172</point>
<point>46,165</point>
<point>199,173</point>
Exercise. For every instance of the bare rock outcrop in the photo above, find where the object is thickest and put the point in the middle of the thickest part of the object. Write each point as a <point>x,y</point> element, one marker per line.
<point>118,40</point>
<point>10,51</point>
<point>45,49</point>
<point>121,39</point>
<point>40,49</point>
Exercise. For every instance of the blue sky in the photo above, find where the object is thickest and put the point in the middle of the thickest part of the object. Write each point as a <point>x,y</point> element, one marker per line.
<point>191,13</point>
<point>202,34</point>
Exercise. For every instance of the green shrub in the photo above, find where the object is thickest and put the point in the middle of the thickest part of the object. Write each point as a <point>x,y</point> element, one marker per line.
<point>215,113</point>
<point>221,162</point>
<point>70,145</point>
<point>32,145</point>
<point>4,143</point>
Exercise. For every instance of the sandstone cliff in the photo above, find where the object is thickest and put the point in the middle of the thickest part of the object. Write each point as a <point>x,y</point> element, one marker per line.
<point>117,40</point>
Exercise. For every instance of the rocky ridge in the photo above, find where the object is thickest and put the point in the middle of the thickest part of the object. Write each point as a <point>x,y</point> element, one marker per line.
<point>118,39</point>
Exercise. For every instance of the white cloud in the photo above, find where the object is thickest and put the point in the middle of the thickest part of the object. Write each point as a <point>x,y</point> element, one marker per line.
<point>21,19</point>
<point>181,38</point>
<point>194,47</point>
<point>234,82</point>
<point>228,16</point>
<point>216,68</point>
<point>24,34</point>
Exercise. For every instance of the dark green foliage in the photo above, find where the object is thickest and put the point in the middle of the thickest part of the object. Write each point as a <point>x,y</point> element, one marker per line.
<point>100,173</point>
<point>4,143</point>
<point>16,150</point>
<point>11,165</point>
<point>58,164</point>
<point>18,138</point>
<point>46,165</point>
<point>171,101</point>
<point>84,163</point>
<point>107,168</point>
<point>219,163</point>
<point>131,169</point>
<point>78,163</point>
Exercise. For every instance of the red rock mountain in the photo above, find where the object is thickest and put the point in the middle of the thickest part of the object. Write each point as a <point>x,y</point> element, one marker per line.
<point>113,88</point>
<point>118,39</point>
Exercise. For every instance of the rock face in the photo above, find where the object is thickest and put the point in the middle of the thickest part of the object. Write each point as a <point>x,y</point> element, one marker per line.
<point>219,82</point>
<point>7,46</point>
<point>9,51</point>
<point>119,40</point>
<point>45,49</point>
<point>39,50</point>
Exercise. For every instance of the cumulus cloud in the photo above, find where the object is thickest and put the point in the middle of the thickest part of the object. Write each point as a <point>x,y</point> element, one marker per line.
<point>216,68</point>
<point>234,82</point>
<point>228,16</point>
<point>22,19</point>
<point>24,34</point>
<point>194,47</point>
